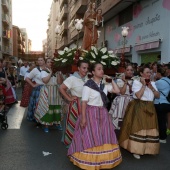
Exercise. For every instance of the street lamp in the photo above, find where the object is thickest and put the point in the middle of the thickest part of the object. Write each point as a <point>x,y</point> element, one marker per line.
<point>57,31</point>
<point>124,35</point>
<point>78,26</point>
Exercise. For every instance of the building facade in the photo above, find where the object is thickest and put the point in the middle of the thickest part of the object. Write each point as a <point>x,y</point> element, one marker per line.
<point>6,44</point>
<point>29,45</point>
<point>148,24</point>
<point>149,30</point>
<point>52,22</point>
<point>25,39</point>
<point>18,43</point>
<point>44,47</point>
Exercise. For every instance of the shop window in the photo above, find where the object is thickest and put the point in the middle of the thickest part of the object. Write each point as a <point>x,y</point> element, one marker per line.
<point>126,15</point>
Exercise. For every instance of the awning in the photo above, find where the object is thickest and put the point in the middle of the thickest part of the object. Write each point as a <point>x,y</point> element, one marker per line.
<point>147,46</point>
<point>120,50</point>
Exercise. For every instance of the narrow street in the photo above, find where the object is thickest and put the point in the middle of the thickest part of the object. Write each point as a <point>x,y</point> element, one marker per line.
<point>22,144</point>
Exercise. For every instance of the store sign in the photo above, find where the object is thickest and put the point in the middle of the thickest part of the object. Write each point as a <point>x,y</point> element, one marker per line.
<point>147,46</point>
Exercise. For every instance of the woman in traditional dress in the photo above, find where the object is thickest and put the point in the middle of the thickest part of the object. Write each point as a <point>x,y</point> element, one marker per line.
<point>90,27</point>
<point>94,144</point>
<point>36,75</point>
<point>75,84</point>
<point>27,88</point>
<point>6,84</point>
<point>139,133</point>
<point>120,103</point>
<point>48,110</point>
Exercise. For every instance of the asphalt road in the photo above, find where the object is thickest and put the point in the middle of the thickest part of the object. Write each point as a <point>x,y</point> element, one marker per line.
<point>21,148</point>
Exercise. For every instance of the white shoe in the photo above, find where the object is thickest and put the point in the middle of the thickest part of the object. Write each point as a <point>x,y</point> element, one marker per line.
<point>162,141</point>
<point>136,156</point>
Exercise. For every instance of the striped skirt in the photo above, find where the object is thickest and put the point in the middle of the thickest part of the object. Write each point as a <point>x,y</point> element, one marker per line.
<point>74,111</point>
<point>33,102</point>
<point>118,108</point>
<point>139,132</point>
<point>95,146</point>
<point>48,109</point>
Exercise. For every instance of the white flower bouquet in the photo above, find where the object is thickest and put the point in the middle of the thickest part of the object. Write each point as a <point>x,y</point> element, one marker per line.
<point>102,55</point>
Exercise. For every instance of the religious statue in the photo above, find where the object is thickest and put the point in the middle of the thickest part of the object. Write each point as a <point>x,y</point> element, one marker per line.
<point>92,20</point>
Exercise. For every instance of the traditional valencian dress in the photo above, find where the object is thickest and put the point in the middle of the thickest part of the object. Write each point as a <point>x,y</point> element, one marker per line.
<point>120,103</point>
<point>36,75</point>
<point>95,146</point>
<point>75,84</point>
<point>48,110</point>
<point>26,93</point>
<point>139,132</point>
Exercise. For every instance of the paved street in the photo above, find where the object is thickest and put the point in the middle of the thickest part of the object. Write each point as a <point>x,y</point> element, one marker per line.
<point>22,144</point>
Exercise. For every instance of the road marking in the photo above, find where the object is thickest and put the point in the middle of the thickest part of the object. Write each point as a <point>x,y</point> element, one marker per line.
<point>15,116</point>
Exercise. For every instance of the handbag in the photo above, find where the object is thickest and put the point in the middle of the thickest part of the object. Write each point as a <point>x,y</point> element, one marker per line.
<point>168,96</point>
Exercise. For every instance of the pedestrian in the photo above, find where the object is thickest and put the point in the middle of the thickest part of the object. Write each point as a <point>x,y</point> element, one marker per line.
<point>162,105</point>
<point>35,75</point>
<point>75,84</point>
<point>139,133</point>
<point>94,144</point>
<point>120,103</point>
<point>48,110</point>
<point>23,71</point>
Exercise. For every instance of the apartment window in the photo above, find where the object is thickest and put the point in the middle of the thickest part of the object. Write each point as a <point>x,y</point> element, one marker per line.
<point>98,3</point>
<point>126,15</point>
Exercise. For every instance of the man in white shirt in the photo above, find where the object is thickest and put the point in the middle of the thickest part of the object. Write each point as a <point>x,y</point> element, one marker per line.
<point>23,71</point>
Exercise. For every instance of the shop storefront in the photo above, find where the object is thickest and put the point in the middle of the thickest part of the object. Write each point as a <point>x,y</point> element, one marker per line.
<point>149,32</point>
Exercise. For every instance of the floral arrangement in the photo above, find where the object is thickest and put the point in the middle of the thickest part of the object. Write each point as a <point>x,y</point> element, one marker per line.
<point>102,55</point>
<point>65,57</point>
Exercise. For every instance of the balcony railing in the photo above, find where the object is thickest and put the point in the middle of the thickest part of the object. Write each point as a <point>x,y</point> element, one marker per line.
<point>62,2</point>
<point>19,39</point>
<point>5,5</point>
<point>62,43</point>
<point>64,26</point>
<point>19,47</point>
<point>63,14</point>
<point>5,19</point>
<point>73,34</point>
<point>6,49</point>
<point>5,34</point>
<point>79,7</point>
<point>23,43</point>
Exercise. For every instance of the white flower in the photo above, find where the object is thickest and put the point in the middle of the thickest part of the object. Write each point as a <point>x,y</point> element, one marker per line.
<point>118,62</point>
<point>94,49</point>
<point>104,57</point>
<point>63,61</point>
<point>58,59</point>
<point>92,61</point>
<point>61,52</point>
<point>113,56</point>
<point>80,58</point>
<point>69,54</point>
<point>103,50</point>
<point>66,49</point>
<point>93,55</point>
<point>103,63</point>
<point>85,51</point>
<point>114,63</point>
<point>110,52</point>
